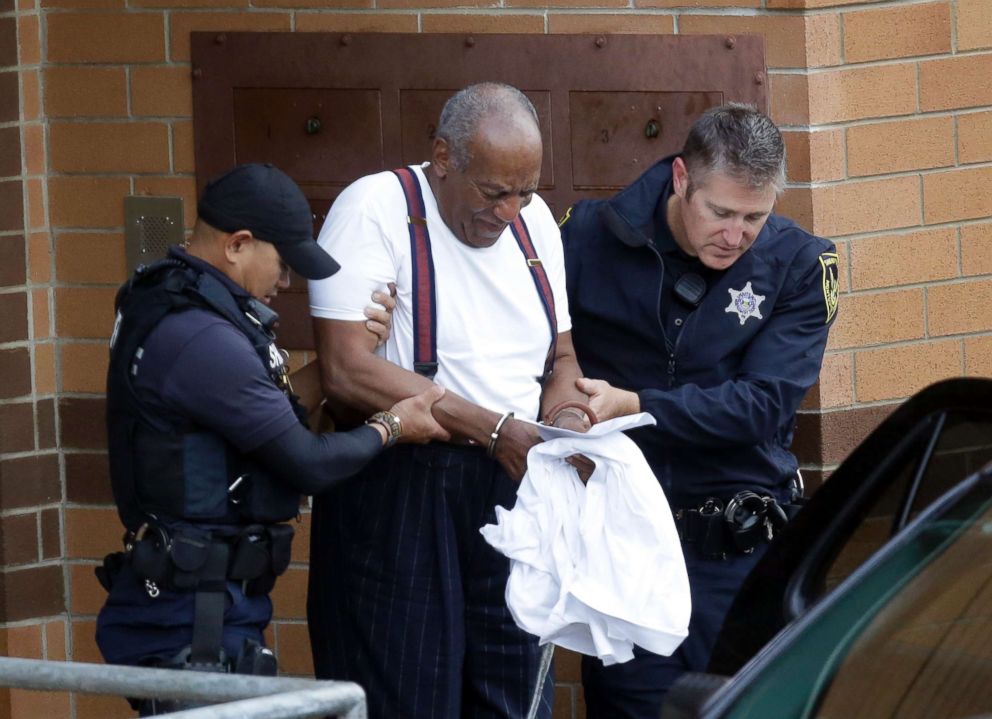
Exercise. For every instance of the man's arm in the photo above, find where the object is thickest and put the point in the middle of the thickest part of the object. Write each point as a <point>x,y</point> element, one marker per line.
<point>561,387</point>
<point>352,374</point>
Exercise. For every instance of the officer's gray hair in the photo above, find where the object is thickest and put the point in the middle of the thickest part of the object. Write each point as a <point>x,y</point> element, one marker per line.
<point>466,109</point>
<point>737,140</point>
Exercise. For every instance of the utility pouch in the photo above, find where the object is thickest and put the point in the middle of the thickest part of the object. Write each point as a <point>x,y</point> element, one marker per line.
<point>280,540</point>
<point>150,554</point>
<point>189,552</point>
<point>107,572</point>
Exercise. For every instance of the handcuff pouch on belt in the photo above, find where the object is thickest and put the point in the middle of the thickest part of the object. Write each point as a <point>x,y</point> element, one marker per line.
<point>717,529</point>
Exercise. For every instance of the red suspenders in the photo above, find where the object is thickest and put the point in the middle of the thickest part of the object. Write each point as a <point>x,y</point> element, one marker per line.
<point>425,322</point>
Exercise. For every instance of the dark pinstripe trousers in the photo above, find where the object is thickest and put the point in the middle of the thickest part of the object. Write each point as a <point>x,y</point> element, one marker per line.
<point>407,599</point>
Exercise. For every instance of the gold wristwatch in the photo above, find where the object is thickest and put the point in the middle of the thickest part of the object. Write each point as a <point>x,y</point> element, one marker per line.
<point>391,423</point>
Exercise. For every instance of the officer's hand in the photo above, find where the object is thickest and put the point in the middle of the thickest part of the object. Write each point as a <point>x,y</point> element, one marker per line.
<point>419,425</point>
<point>380,315</point>
<point>608,401</point>
<point>515,440</point>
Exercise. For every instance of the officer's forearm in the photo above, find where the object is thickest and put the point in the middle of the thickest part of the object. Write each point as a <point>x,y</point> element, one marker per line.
<point>313,463</point>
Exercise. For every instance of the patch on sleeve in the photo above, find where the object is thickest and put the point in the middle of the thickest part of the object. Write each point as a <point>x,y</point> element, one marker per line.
<point>566,218</point>
<point>831,285</point>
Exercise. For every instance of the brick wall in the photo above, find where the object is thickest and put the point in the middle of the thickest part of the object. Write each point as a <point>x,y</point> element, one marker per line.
<point>887,111</point>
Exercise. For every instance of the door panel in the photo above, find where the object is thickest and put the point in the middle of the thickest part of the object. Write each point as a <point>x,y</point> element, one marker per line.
<point>328,107</point>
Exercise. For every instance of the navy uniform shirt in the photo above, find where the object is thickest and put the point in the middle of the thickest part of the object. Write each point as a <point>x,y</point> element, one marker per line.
<point>723,379</point>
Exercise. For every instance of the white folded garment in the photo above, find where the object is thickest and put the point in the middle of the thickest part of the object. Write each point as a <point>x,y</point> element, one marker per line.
<point>594,568</point>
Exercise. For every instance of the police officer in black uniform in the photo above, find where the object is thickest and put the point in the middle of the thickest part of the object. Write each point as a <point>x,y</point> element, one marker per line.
<point>209,449</point>
<point>711,314</point>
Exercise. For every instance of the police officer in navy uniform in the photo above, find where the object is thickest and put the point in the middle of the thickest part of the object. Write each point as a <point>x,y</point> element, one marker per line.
<point>209,451</point>
<point>692,302</point>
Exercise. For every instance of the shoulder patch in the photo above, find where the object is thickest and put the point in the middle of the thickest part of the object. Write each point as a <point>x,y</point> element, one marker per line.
<point>831,284</point>
<point>567,216</point>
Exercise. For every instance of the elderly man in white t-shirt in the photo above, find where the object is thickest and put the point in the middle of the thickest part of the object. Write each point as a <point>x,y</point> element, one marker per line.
<point>405,597</point>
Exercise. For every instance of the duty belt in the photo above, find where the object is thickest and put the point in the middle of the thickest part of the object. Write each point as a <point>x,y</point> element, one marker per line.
<point>718,528</point>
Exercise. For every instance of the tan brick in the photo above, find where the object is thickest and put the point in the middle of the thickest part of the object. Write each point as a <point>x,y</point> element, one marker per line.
<point>707,3</point>
<point>901,145</point>
<point>182,187</point>
<point>956,82</point>
<point>554,4</point>
<point>87,201</point>
<point>83,633</point>
<point>51,705</point>
<point>91,532</point>
<point>183,23</point>
<point>896,372</point>
<point>789,98</point>
<point>293,649</point>
<point>109,147</point>
<point>84,312</point>
<point>807,4</point>
<point>30,95</point>
<point>101,706</point>
<point>83,4</point>
<point>301,542</point>
<point>978,356</point>
<point>862,92</point>
<point>959,307</point>
<point>976,249</point>
<point>902,31</point>
<point>28,40</point>
<point>289,598</point>
<point>37,218</point>
<point>33,139</point>
<point>84,367</point>
<point>55,641</point>
<point>44,368</point>
<point>39,314</point>
<point>904,259</point>
<point>161,91</point>
<point>823,43</point>
<point>878,318</point>
<point>962,194</point>
<point>975,136</point>
<point>24,642</point>
<point>172,4</point>
<point>852,207</point>
<point>39,258</point>
<point>86,595</point>
<point>85,92</point>
<point>419,4</point>
<point>836,385</point>
<point>796,203</point>
<point>321,4</point>
<point>785,35</point>
<point>90,257</point>
<point>814,156</point>
<point>355,22</point>
<point>183,157</point>
<point>974,24</point>
<point>445,22</point>
<point>106,37</point>
<point>578,23</point>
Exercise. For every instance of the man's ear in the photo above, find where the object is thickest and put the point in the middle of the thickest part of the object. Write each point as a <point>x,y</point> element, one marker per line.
<point>680,177</point>
<point>236,244</point>
<point>440,158</point>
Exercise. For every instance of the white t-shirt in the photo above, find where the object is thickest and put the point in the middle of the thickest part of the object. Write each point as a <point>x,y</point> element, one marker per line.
<point>492,330</point>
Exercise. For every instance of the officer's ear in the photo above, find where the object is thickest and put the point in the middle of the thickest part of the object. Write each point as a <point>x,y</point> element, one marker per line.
<point>237,244</point>
<point>680,177</point>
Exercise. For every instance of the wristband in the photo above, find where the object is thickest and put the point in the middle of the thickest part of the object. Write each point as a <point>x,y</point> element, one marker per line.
<point>391,423</point>
<point>553,413</point>
<point>495,433</point>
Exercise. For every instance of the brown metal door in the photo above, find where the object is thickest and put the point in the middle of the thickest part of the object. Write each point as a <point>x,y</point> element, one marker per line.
<point>329,108</point>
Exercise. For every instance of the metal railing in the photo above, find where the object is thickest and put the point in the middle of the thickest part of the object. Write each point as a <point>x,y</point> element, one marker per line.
<point>247,697</point>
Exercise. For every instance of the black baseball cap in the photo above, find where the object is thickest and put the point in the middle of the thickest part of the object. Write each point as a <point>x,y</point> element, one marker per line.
<point>265,201</point>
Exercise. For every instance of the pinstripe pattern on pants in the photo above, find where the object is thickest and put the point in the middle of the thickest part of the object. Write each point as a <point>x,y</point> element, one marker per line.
<point>407,599</point>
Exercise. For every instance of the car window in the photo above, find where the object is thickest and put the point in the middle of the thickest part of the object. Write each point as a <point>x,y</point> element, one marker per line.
<point>908,637</point>
<point>959,445</point>
<point>927,652</point>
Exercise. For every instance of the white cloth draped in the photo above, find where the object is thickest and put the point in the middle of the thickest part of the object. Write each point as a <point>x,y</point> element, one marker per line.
<point>594,568</point>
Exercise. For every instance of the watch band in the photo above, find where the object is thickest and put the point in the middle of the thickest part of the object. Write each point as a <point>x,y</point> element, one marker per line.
<point>391,423</point>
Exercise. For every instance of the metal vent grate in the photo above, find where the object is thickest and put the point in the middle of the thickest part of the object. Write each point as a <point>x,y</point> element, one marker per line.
<point>151,225</point>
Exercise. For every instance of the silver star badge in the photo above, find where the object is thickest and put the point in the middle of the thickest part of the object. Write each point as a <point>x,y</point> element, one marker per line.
<point>745,303</point>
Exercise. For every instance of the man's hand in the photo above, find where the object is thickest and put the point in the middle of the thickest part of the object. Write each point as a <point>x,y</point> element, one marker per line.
<point>515,440</point>
<point>606,400</point>
<point>419,425</point>
<point>380,314</point>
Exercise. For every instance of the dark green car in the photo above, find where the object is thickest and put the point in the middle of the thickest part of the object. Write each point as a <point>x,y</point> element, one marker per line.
<point>877,600</point>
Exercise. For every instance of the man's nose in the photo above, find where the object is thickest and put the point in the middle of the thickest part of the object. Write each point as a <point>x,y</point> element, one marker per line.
<point>734,234</point>
<point>508,208</point>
